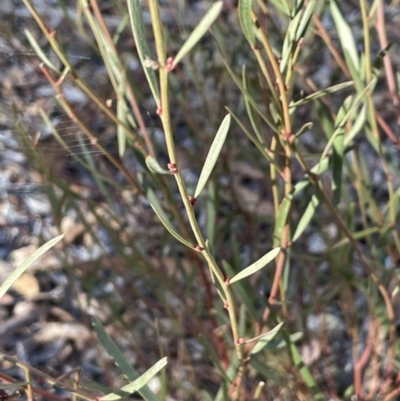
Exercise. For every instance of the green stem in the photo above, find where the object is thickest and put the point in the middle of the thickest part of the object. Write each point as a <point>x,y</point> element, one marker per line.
<point>164,113</point>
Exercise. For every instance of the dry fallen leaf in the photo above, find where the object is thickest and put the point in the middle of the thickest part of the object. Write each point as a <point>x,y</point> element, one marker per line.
<point>27,285</point>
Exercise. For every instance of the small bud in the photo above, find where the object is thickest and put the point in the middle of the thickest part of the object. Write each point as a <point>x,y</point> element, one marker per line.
<point>226,305</point>
<point>170,64</point>
<point>287,136</point>
<point>52,32</point>
<point>198,248</point>
<point>192,200</point>
<point>172,168</point>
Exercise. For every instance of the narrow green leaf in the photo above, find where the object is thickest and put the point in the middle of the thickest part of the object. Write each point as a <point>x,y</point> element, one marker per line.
<point>305,373</point>
<point>358,235</point>
<point>270,373</point>
<point>213,356</point>
<point>138,383</point>
<point>378,62</point>
<point>213,154</point>
<point>282,6</point>
<point>357,126</point>
<point>198,32</point>
<point>120,359</point>
<point>238,83</point>
<point>250,111</point>
<point>372,9</point>
<point>256,266</point>
<point>342,121</point>
<point>305,19</point>
<point>256,142</point>
<point>306,218</point>
<point>245,9</point>
<point>338,150</point>
<point>337,166</point>
<point>240,288</point>
<point>155,204</point>
<point>321,93</point>
<point>266,339</point>
<point>9,281</point>
<point>13,386</point>
<point>319,168</point>
<point>282,218</point>
<point>154,166</point>
<point>280,343</point>
<point>304,128</point>
<point>139,33</point>
<point>122,112</point>
<point>289,43</point>
<point>354,71</point>
<point>346,37</point>
<point>39,52</point>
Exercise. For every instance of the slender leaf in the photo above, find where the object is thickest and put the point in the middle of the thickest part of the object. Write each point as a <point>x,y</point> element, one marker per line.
<point>198,32</point>
<point>9,281</point>
<point>13,386</point>
<point>139,33</point>
<point>282,218</point>
<point>378,62</point>
<point>338,151</point>
<point>280,343</point>
<point>155,204</point>
<point>39,52</point>
<point>321,93</point>
<point>303,129</point>
<point>306,218</point>
<point>305,20</point>
<point>238,83</point>
<point>214,357</point>
<point>305,373</point>
<point>256,266</point>
<point>154,166</point>
<point>357,126</point>
<point>250,111</point>
<point>120,359</point>
<point>344,118</point>
<point>140,382</point>
<point>122,112</point>
<point>241,290</point>
<point>245,9</point>
<point>266,339</point>
<point>282,6</point>
<point>290,40</point>
<point>256,142</point>
<point>213,154</point>
<point>319,168</point>
<point>346,37</point>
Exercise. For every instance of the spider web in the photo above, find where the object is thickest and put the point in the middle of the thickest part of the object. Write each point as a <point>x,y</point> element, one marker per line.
<point>24,133</point>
